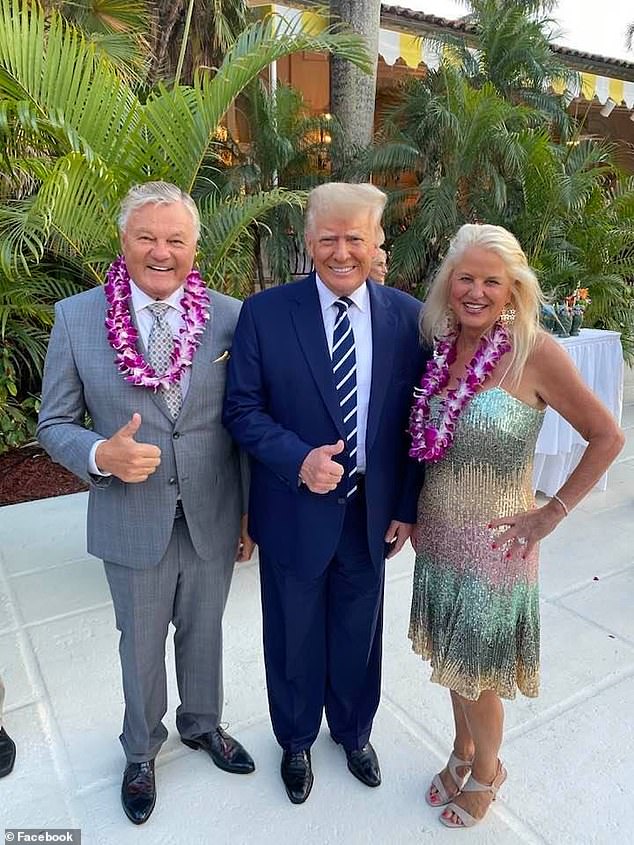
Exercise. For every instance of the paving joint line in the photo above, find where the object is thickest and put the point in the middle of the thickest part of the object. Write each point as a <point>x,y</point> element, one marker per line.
<point>553,598</point>
<point>68,615</point>
<point>519,826</point>
<point>50,729</point>
<point>620,638</point>
<point>588,693</point>
<point>87,559</point>
<point>164,758</point>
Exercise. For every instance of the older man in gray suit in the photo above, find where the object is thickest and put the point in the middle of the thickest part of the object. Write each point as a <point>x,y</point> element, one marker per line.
<point>145,357</point>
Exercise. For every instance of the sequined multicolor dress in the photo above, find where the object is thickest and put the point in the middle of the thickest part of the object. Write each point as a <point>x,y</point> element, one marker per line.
<point>475,613</point>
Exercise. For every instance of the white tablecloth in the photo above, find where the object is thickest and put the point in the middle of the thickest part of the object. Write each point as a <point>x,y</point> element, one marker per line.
<point>599,358</point>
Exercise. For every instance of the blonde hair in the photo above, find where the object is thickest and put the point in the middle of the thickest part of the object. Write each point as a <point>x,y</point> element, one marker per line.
<point>337,199</point>
<point>526,295</point>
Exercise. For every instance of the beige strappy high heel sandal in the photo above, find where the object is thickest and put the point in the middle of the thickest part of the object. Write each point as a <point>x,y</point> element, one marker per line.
<point>473,785</point>
<point>442,796</point>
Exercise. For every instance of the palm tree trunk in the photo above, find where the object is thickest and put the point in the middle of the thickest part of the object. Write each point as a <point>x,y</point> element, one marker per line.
<point>353,92</point>
<point>183,49</point>
<point>167,15</point>
<point>259,260</point>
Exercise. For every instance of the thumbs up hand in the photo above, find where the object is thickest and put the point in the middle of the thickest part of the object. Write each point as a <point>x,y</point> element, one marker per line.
<point>130,428</point>
<point>123,457</point>
<point>319,472</point>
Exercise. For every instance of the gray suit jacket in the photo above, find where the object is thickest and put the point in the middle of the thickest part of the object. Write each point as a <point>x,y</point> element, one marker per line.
<point>131,524</point>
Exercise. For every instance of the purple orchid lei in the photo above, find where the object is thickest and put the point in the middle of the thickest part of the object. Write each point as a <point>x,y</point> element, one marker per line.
<point>429,443</point>
<point>123,335</point>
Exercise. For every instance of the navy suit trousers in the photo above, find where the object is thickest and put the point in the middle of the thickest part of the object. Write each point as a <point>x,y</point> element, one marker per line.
<point>322,641</point>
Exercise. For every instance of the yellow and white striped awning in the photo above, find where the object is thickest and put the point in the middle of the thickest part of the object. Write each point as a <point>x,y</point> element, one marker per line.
<point>413,50</point>
<point>392,45</point>
<point>604,87</point>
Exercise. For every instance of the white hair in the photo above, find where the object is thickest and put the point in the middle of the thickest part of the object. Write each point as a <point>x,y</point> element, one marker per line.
<point>156,193</point>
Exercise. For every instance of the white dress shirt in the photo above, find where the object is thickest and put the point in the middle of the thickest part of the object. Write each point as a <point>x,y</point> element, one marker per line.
<point>361,322</point>
<point>139,300</point>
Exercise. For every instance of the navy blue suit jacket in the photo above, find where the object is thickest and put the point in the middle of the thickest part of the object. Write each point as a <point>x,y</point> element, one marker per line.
<point>281,403</point>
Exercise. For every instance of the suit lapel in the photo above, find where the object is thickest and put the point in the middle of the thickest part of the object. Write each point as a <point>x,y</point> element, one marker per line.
<point>384,328</point>
<point>306,316</point>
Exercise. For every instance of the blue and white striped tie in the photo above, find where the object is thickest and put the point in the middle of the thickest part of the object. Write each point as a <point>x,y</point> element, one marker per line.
<point>344,366</point>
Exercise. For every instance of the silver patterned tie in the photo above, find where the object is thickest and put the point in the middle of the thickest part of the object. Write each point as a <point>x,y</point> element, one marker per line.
<point>159,347</point>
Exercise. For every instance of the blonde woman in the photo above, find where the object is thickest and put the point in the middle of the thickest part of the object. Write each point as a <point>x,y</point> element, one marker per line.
<point>475,421</point>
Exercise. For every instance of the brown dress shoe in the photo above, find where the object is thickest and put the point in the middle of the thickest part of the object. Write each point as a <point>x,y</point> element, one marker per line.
<point>226,752</point>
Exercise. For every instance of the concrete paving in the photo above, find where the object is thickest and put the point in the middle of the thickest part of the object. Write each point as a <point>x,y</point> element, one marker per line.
<point>570,753</point>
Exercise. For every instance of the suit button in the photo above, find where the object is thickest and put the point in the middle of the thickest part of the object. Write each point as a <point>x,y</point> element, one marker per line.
<point>341,501</point>
<point>176,435</point>
<point>172,480</point>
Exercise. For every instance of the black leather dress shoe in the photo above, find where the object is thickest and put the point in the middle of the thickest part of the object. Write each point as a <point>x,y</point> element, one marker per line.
<point>297,775</point>
<point>138,791</point>
<point>7,753</point>
<point>364,764</point>
<point>226,752</point>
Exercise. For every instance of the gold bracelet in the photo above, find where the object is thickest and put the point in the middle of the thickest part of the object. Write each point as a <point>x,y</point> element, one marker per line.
<point>562,503</point>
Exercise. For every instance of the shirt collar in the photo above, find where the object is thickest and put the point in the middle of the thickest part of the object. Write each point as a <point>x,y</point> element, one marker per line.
<point>360,296</point>
<point>140,298</point>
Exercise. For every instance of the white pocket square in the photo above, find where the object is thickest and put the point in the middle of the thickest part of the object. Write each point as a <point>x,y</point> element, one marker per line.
<point>224,357</point>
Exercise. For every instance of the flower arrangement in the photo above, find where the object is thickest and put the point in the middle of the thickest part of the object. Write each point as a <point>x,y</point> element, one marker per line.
<point>578,301</point>
<point>564,318</point>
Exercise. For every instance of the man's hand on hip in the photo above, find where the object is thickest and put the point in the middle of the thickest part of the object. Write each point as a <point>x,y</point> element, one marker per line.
<point>319,472</point>
<point>123,457</point>
<point>396,536</point>
<point>246,546</point>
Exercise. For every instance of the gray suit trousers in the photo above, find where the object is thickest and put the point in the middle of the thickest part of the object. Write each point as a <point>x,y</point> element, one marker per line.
<point>1,700</point>
<point>191,593</point>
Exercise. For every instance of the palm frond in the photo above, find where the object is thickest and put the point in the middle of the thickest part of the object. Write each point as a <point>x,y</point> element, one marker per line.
<point>225,223</point>
<point>181,123</point>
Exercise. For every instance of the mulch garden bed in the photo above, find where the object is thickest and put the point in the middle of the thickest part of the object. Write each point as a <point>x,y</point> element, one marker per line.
<point>28,473</point>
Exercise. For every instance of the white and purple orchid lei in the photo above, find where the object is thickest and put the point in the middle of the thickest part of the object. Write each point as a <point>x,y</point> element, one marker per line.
<point>123,335</point>
<point>429,443</point>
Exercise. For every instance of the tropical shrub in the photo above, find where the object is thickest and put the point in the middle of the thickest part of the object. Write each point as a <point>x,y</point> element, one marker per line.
<point>76,133</point>
<point>484,139</point>
<point>291,148</point>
